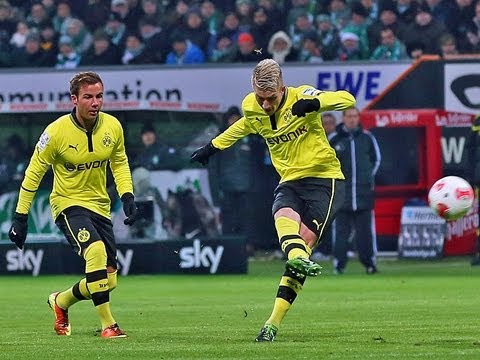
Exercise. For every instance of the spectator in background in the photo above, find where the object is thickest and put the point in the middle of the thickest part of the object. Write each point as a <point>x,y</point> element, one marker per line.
<point>153,11</point>
<point>329,37</point>
<point>359,155</point>
<point>407,10</point>
<point>174,19</point>
<point>329,122</point>
<point>117,31</point>
<point>390,49</point>
<point>473,172</point>
<point>32,55</point>
<point>49,41</point>
<point>38,15</point>
<point>262,29</point>
<point>7,24</point>
<point>275,15</point>
<point>82,39</point>
<point>154,38</point>
<point>232,174</point>
<point>61,17</point>
<point>13,162</point>
<point>244,10</point>
<point>358,26</point>
<point>231,26</point>
<point>350,47</point>
<point>459,21</point>
<point>102,52</point>
<point>280,48</point>
<point>195,30</point>
<point>388,18</point>
<point>473,33</point>
<point>247,49</point>
<point>135,51</point>
<point>96,12</point>
<point>415,50</point>
<point>302,25</point>
<point>184,52</point>
<point>371,7</point>
<point>156,155</point>
<point>225,51</point>
<point>311,51</point>
<point>127,13</point>
<point>212,16</point>
<point>448,45</point>
<point>425,29</point>
<point>19,37</point>
<point>67,57</point>
<point>339,13</point>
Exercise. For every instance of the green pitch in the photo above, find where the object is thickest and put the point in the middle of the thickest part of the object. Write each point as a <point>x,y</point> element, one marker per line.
<point>410,310</point>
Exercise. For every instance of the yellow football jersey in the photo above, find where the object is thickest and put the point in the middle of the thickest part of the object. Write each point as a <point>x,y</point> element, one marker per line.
<point>79,162</point>
<point>298,146</point>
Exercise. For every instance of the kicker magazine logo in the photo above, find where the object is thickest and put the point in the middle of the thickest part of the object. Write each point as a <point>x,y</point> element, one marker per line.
<point>198,256</point>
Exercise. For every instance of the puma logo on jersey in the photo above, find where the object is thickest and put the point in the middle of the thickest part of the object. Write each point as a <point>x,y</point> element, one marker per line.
<point>73,147</point>
<point>317,224</point>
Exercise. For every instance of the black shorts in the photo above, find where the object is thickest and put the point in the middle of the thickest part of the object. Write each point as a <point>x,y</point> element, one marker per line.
<point>82,227</point>
<point>316,200</point>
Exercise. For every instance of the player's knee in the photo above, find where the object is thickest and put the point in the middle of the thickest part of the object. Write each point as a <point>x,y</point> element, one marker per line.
<point>308,236</point>
<point>95,256</point>
<point>112,280</point>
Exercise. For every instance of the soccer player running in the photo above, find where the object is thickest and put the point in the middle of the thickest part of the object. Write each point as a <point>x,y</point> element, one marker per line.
<point>311,188</point>
<point>79,146</point>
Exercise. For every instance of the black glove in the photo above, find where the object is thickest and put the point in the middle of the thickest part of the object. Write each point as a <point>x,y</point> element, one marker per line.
<point>303,106</point>
<point>18,230</point>
<point>129,208</point>
<point>202,154</point>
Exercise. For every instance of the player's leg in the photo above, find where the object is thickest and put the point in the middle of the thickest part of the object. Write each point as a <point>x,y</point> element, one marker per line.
<point>366,242</point>
<point>60,302</point>
<point>343,229</point>
<point>109,325</point>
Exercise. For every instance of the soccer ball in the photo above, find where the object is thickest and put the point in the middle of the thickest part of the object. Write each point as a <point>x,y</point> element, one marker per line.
<point>451,197</point>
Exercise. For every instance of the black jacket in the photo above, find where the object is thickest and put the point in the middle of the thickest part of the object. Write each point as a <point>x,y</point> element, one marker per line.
<point>359,157</point>
<point>473,153</point>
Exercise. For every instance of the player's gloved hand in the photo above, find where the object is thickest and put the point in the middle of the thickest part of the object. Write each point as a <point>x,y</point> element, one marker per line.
<point>18,230</point>
<point>303,106</point>
<point>202,154</point>
<point>129,208</point>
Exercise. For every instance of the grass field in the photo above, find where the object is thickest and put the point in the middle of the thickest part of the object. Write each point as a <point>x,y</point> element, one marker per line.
<point>410,310</point>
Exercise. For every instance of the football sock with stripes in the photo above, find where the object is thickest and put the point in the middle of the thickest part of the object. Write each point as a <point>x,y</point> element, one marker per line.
<point>97,281</point>
<point>291,242</point>
<point>73,295</point>
<point>288,290</point>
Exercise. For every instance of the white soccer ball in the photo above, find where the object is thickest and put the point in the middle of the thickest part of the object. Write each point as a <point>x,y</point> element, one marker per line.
<point>451,197</point>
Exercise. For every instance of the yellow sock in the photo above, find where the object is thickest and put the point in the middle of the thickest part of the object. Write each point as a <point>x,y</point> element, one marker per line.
<point>291,242</point>
<point>73,295</point>
<point>97,281</point>
<point>287,293</point>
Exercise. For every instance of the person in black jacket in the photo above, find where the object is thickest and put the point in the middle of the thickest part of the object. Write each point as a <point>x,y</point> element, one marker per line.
<point>473,171</point>
<point>359,155</point>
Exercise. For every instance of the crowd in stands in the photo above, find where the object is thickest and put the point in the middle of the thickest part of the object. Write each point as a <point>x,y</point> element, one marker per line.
<point>66,34</point>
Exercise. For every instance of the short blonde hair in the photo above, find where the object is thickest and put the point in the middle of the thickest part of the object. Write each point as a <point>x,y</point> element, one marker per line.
<point>267,76</point>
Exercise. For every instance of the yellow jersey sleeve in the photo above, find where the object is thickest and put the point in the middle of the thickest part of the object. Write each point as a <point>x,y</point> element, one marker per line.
<point>42,158</point>
<point>232,134</point>
<point>119,165</point>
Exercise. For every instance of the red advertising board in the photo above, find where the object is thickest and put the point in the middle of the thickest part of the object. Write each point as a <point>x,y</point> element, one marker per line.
<point>413,158</point>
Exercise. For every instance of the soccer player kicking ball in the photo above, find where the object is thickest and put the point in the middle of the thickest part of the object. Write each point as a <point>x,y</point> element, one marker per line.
<point>79,146</point>
<point>311,188</point>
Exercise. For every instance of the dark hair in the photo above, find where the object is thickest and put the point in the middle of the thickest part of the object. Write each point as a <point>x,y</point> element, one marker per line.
<point>82,78</point>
